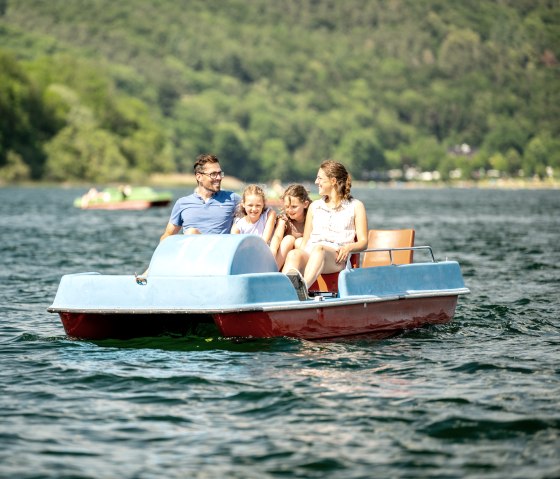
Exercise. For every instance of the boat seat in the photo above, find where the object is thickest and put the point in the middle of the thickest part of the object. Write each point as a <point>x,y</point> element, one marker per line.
<point>328,282</point>
<point>402,238</point>
<point>377,239</point>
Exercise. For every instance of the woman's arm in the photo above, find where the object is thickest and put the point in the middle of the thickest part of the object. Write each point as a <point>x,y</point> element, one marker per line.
<point>360,224</point>
<point>269,227</point>
<point>308,227</point>
<point>360,220</point>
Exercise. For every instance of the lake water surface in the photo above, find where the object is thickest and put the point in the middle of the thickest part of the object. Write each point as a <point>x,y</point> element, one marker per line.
<point>478,397</point>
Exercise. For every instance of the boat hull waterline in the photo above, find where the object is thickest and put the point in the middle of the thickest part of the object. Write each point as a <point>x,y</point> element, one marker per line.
<point>321,321</point>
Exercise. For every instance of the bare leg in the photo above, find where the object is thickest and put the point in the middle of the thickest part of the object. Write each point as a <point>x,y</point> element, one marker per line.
<point>296,259</point>
<point>286,246</point>
<point>321,260</point>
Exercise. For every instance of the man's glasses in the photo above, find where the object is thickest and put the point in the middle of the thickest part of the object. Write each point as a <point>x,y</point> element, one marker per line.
<point>214,175</point>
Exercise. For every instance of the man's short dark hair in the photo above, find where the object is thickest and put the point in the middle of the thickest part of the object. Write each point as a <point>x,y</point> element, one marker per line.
<point>203,160</point>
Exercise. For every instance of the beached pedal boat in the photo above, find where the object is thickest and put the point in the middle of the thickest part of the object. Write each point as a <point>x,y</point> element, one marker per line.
<point>233,282</point>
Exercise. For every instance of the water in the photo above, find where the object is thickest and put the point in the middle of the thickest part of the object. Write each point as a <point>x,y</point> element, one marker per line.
<point>478,397</point>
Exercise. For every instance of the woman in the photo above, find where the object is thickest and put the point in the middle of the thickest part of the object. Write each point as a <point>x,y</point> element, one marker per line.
<point>335,227</point>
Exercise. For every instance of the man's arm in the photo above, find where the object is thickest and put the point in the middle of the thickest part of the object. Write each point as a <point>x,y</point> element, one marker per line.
<point>170,229</point>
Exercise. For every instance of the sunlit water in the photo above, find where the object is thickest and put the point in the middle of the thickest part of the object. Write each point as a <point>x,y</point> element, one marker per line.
<point>479,397</point>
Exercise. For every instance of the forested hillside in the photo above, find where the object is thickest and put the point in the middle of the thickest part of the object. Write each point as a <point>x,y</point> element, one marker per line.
<point>105,90</point>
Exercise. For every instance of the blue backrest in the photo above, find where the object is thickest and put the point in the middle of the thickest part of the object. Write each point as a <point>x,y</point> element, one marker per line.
<point>400,279</point>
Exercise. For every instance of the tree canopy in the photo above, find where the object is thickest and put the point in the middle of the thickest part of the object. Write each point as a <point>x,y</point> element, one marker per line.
<point>111,91</point>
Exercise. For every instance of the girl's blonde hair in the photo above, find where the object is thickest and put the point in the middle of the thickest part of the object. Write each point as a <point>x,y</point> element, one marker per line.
<point>250,190</point>
<point>336,170</point>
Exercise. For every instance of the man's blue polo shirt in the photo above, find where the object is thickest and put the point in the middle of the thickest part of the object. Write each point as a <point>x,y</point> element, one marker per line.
<point>214,216</point>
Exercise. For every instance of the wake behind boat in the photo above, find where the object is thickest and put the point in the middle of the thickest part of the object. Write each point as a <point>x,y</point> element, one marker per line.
<point>232,281</point>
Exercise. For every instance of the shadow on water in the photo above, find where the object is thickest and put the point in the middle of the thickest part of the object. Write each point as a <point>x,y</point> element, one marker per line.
<point>205,338</point>
<point>211,341</point>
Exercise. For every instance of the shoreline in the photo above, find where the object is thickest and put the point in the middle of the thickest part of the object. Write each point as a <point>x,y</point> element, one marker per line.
<point>471,184</point>
<point>178,180</point>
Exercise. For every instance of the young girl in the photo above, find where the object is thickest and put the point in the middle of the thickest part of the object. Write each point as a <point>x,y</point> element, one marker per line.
<point>289,228</point>
<point>254,217</point>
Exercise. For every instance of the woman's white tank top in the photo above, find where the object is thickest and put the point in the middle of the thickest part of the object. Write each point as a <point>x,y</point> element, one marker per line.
<point>333,227</point>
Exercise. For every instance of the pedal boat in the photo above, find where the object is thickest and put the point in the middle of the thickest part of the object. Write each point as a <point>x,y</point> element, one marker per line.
<point>233,282</point>
<point>127,198</point>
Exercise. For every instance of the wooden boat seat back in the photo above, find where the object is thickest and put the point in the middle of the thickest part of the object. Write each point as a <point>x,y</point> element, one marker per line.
<point>211,255</point>
<point>377,239</point>
<point>400,238</point>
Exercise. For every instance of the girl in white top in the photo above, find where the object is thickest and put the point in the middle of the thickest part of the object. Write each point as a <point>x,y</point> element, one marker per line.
<point>335,227</point>
<point>255,218</point>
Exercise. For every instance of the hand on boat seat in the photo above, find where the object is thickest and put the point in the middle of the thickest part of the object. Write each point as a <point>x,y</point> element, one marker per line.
<point>141,280</point>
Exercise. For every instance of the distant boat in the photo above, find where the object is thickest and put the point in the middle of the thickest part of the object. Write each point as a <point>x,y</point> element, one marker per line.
<point>123,198</point>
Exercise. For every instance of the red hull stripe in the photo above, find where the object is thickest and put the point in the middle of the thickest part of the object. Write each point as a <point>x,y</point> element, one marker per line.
<point>306,323</point>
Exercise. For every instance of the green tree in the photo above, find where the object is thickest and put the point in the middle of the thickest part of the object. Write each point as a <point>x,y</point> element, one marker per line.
<point>230,145</point>
<point>424,152</point>
<point>24,122</point>
<point>542,151</point>
<point>460,52</point>
<point>15,169</point>
<point>276,161</point>
<point>82,151</point>
<point>362,154</point>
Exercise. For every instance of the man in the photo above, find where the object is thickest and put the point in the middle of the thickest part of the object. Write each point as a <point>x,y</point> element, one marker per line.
<point>208,210</point>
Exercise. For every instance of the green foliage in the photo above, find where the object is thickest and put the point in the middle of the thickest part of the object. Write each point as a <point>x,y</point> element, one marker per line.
<point>81,151</point>
<point>230,144</point>
<point>108,91</point>
<point>24,120</point>
<point>542,151</point>
<point>15,169</point>
<point>362,154</point>
<point>276,160</point>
